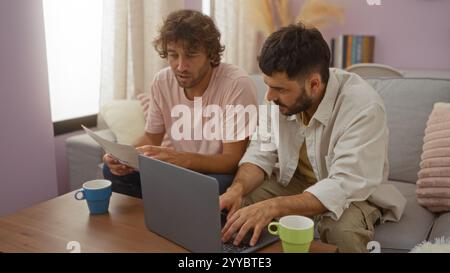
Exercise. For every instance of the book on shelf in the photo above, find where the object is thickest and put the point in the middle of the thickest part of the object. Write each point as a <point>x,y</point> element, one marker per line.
<point>352,49</point>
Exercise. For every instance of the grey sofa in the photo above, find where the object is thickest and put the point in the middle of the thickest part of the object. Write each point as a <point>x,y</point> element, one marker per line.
<point>408,101</point>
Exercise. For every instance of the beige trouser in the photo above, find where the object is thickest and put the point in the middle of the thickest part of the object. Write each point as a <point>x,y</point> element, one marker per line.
<point>351,233</point>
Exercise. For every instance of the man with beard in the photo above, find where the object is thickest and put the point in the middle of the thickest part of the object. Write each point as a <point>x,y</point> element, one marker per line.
<point>190,42</point>
<point>331,155</point>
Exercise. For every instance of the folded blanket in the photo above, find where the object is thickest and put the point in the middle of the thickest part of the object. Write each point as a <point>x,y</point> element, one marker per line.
<point>438,152</point>
<point>431,182</point>
<point>433,192</point>
<point>443,171</point>
<point>436,135</point>
<point>435,162</point>
<point>433,185</point>
<point>437,143</point>
<point>440,115</point>
<point>434,202</point>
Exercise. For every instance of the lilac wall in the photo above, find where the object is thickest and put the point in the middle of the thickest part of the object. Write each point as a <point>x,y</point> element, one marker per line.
<point>62,168</point>
<point>410,34</point>
<point>27,164</point>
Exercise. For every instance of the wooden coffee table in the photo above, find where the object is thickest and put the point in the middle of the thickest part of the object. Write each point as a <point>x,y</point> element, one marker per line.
<point>51,225</point>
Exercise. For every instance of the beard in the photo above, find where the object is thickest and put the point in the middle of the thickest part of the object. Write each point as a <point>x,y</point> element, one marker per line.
<point>301,104</point>
<point>189,80</point>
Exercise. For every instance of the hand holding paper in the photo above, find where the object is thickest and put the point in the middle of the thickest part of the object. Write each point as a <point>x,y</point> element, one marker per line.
<point>126,154</point>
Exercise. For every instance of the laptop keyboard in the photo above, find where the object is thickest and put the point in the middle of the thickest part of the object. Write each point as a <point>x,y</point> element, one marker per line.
<point>230,248</point>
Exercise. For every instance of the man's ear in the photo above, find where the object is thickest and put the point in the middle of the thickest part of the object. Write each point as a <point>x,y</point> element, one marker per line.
<point>314,82</point>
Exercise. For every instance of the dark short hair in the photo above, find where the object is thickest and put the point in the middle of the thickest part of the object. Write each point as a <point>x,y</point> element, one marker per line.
<point>297,51</point>
<point>195,29</point>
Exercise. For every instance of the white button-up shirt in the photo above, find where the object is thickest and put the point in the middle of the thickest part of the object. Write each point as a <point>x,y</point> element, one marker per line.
<point>346,141</point>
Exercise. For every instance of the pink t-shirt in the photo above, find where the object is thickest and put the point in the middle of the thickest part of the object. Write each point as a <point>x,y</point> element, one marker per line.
<point>195,131</point>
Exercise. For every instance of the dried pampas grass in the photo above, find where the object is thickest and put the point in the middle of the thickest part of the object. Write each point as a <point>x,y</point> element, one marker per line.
<point>270,15</point>
<point>320,14</point>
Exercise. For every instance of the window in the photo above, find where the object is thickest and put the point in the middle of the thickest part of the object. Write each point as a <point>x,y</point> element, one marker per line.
<point>206,7</point>
<point>73,30</point>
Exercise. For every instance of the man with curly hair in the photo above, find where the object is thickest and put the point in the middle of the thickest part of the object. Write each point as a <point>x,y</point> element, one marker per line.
<point>190,42</point>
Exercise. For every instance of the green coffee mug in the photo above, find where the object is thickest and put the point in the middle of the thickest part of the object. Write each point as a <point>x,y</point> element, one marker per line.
<point>296,233</point>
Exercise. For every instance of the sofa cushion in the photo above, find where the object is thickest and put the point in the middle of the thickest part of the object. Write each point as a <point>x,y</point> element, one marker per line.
<point>433,186</point>
<point>441,227</point>
<point>413,227</point>
<point>144,100</point>
<point>125,118</point>
<point>409,102</point>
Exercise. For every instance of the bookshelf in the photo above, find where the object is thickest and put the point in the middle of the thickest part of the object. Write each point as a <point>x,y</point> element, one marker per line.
<point>352,49</point>
<point>349,49</point>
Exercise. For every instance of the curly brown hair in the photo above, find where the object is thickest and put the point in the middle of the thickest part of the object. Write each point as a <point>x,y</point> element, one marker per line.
<point>197,30</point>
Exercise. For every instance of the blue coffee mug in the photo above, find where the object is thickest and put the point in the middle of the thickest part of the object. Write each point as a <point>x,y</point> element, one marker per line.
<point>97,194</point>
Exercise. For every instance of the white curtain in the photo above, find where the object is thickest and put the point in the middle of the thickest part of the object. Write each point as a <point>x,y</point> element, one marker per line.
<point>129,61</point>
<point>239,35</point>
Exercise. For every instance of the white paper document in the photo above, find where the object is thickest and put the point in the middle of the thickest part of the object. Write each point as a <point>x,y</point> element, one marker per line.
<point>126,154</point>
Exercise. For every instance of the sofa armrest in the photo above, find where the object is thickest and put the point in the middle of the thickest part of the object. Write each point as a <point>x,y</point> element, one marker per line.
<point>84,156</point>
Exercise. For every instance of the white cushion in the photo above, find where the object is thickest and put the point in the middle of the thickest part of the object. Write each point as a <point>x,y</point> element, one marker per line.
<point>125,118</point>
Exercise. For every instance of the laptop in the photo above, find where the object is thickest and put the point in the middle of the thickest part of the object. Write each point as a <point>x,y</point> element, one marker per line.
<point>183,206</point>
